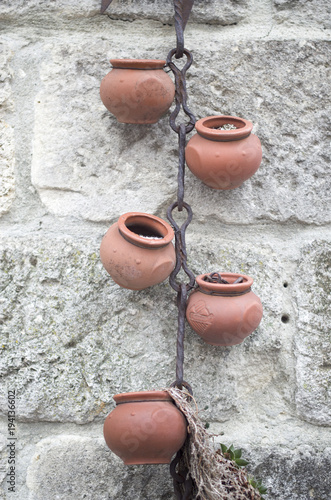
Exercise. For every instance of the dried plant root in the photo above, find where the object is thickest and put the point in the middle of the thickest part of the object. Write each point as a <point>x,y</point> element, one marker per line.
<point>214,477</point>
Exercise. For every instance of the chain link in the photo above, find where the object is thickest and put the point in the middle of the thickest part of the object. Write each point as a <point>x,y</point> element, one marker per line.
<point>181,93</point>
<point>104,5</point>
<point>182,13</point>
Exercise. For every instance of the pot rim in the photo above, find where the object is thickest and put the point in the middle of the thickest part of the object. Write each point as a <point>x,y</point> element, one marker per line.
<point>224,288</point>
<point>205,128</point>
<point>150,221</point>
<point>138,63</point>
<point>142,396</point>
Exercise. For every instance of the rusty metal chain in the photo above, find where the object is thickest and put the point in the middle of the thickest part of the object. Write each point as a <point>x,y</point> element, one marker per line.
<point>182,129</point>
<point>182,481</point>
<point>183,484</point>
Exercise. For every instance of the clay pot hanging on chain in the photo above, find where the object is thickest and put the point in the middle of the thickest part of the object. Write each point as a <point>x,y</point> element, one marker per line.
<point>137,250</point>
<point>223,313</point>
<point>145,428</point>
<point>224,153</point>
<point>137,90</point>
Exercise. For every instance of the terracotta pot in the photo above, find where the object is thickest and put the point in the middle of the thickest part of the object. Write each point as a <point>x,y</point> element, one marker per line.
<point>137,90</point>
<point>145,428</point>
<point>224,314</point>
<point>223,159</point>
<point>137,250</point>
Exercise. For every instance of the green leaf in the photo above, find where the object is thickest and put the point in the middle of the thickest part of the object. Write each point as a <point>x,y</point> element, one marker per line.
<point>237,453</point>
<point>231,454</point>
<point>263,489</point>
<point>231,448</point>
<point>224,448</point>
<point>252,481</point>
<point>241,462</point>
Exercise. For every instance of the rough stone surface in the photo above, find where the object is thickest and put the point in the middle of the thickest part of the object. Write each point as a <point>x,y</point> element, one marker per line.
<point>313,396</point>
<point>310,12</point>
<point>70,8</point>
<point>210,11</point>
<point>94,471</point>
<point>69,464</point>
<point>301,474</point>
<point>7,175</point>
<point>100,173</point>
<point>56,325</point>
<point>5,78</point>
<point>7,157</point>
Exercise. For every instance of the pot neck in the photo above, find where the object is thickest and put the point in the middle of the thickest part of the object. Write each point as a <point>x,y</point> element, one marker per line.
<point>226,290</point>
<point>144,230</point>
<point>224,294</point>
<point>142,397</point>
<point>142,64</point>
<point>209,128</point>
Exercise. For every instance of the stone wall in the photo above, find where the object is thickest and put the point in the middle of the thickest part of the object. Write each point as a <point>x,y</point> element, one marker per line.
<point>69,337</point>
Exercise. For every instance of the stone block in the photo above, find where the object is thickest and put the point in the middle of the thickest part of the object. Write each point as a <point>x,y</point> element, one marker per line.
<point>281,86</point>
<point>71,467</point>
<point>300,12</point>
<point>68,467</point>
<point>71,338</point>
<point>312,340</point>
<point>87,165</point>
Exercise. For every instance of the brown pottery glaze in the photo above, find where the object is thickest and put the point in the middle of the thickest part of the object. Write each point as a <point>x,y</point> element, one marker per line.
<point>223,159</point>
<point>224,314</point>
<point>137,250</point>
<point>137,90</point>
<point>145,428</point>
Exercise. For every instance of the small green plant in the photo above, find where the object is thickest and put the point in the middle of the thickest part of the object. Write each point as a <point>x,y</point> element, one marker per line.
<point>257,484</point>
<point>235,457</point>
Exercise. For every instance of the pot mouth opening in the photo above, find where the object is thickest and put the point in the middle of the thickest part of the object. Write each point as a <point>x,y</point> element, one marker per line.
<point>145,230</point>
<point>138,63</point>
<point>217,122</point>
<point>223,128</point>
<point>229,283</point>
<point>216,277</point>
